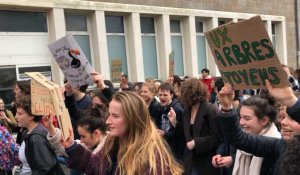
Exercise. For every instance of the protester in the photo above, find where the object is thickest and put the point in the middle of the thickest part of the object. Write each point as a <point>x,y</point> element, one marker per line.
<point>176,84</point>
<point>36,153</point>
<point>257,116</point>
<point>148,94</point>
<point>269,148</point>
<point>285,129</point>
<point>9,152</point>
<point>99,98</point>
<point>208,80</point>
<point>200,128</point>
<point>224,158</point>
<point>91,128</point>
<point>132,147</point>
<point>225,154</point>
<point>21,88</point>
<point>137,88</point>
<point>76,100</point>
<point>6,117</point>
<point>104,86</point>
<point>125,85</point>
<point>157,83</point>
<point>170,123</point>
<point>149,80</point>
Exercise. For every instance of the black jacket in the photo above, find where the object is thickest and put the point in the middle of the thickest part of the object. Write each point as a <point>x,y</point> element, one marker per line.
<point>75,108</point>
<point>271,149</point>
<point>174,136</point>
<point>155,111</point>
<point>205,133</point>
<point>40,154</point>
<point>225,149</point>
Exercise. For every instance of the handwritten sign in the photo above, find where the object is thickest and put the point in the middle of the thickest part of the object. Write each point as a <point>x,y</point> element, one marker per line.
<point>245,56</point>
<point>116,70</point>
<point>72,61</point>
<point>46,98</point>
<point>41,101</point>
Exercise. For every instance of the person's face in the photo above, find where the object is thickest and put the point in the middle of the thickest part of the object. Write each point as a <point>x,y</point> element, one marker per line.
<point>124,80</point>
<point>204,74</point>
<point>165,97</point>
<point>146,94</point>
<point>137,90</point>
<point>1,105</point>
<point>116,120</point>
<point>89,139</point>
<point>250,123</point>
<point>17,91</point>
<point>97,100</point>
<point>23,118</point>
<point>171,79</point>
<point>290,127</point>
<point>286,131</point>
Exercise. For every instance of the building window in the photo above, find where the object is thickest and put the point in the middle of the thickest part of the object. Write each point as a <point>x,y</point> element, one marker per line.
<point>116,40</point>
<point>177,47</point>
<point>273,35</point>
<point>114,24</point>
<point>8,77</point>
<point>76,25</point>
<point>44,70</point>
<point>20,21</point>
<point>24,39</point>
<point>76,22</point>
<point>201,46</point>
<point>221,22</point>
<point>149,47</point>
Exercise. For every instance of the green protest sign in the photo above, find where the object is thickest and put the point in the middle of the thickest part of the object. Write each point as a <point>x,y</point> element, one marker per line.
<point>245,55</point>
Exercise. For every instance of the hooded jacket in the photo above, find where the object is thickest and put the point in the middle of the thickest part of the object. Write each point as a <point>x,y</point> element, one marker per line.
<point>40,154</point>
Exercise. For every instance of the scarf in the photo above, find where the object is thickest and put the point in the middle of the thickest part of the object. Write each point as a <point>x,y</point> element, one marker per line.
<point>247,164</point>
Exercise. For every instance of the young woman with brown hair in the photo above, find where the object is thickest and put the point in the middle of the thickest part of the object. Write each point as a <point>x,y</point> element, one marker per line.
<point>200,125</point>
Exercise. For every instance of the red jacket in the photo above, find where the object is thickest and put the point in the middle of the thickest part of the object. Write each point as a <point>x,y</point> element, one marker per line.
<point>208,82</point>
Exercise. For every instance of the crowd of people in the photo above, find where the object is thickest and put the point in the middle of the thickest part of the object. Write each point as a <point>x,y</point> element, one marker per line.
<point>180,126</point>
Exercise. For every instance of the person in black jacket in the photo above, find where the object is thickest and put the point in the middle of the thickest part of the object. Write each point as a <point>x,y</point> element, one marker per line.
<point>276,150</point>
<point>76,100</point>
<point>170,123</point>
<point>201,128</point>
<point>36,153</point>
<point>148,94</point>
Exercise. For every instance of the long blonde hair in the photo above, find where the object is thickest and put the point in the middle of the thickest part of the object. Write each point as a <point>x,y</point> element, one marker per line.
<point>141,147</point>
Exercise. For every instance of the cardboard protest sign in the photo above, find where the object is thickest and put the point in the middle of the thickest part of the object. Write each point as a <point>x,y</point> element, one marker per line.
<point>245,55</point>
<point>71,61</point>
<point>46,98</point>
<point>116,70</point>
<point>41,101</point>
<point>171,63</point>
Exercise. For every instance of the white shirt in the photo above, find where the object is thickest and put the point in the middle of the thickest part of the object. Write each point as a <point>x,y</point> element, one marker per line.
<point>25,170</point>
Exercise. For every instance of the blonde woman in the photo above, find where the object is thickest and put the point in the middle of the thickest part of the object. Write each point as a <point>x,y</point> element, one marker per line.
<point>148,94</point>
<point>133,146</point>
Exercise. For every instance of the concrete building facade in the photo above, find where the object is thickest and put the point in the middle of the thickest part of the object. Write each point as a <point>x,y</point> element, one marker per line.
<point>141,34</point>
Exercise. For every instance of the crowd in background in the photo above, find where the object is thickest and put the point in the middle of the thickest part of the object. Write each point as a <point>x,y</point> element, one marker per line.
<point>192,126</point>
